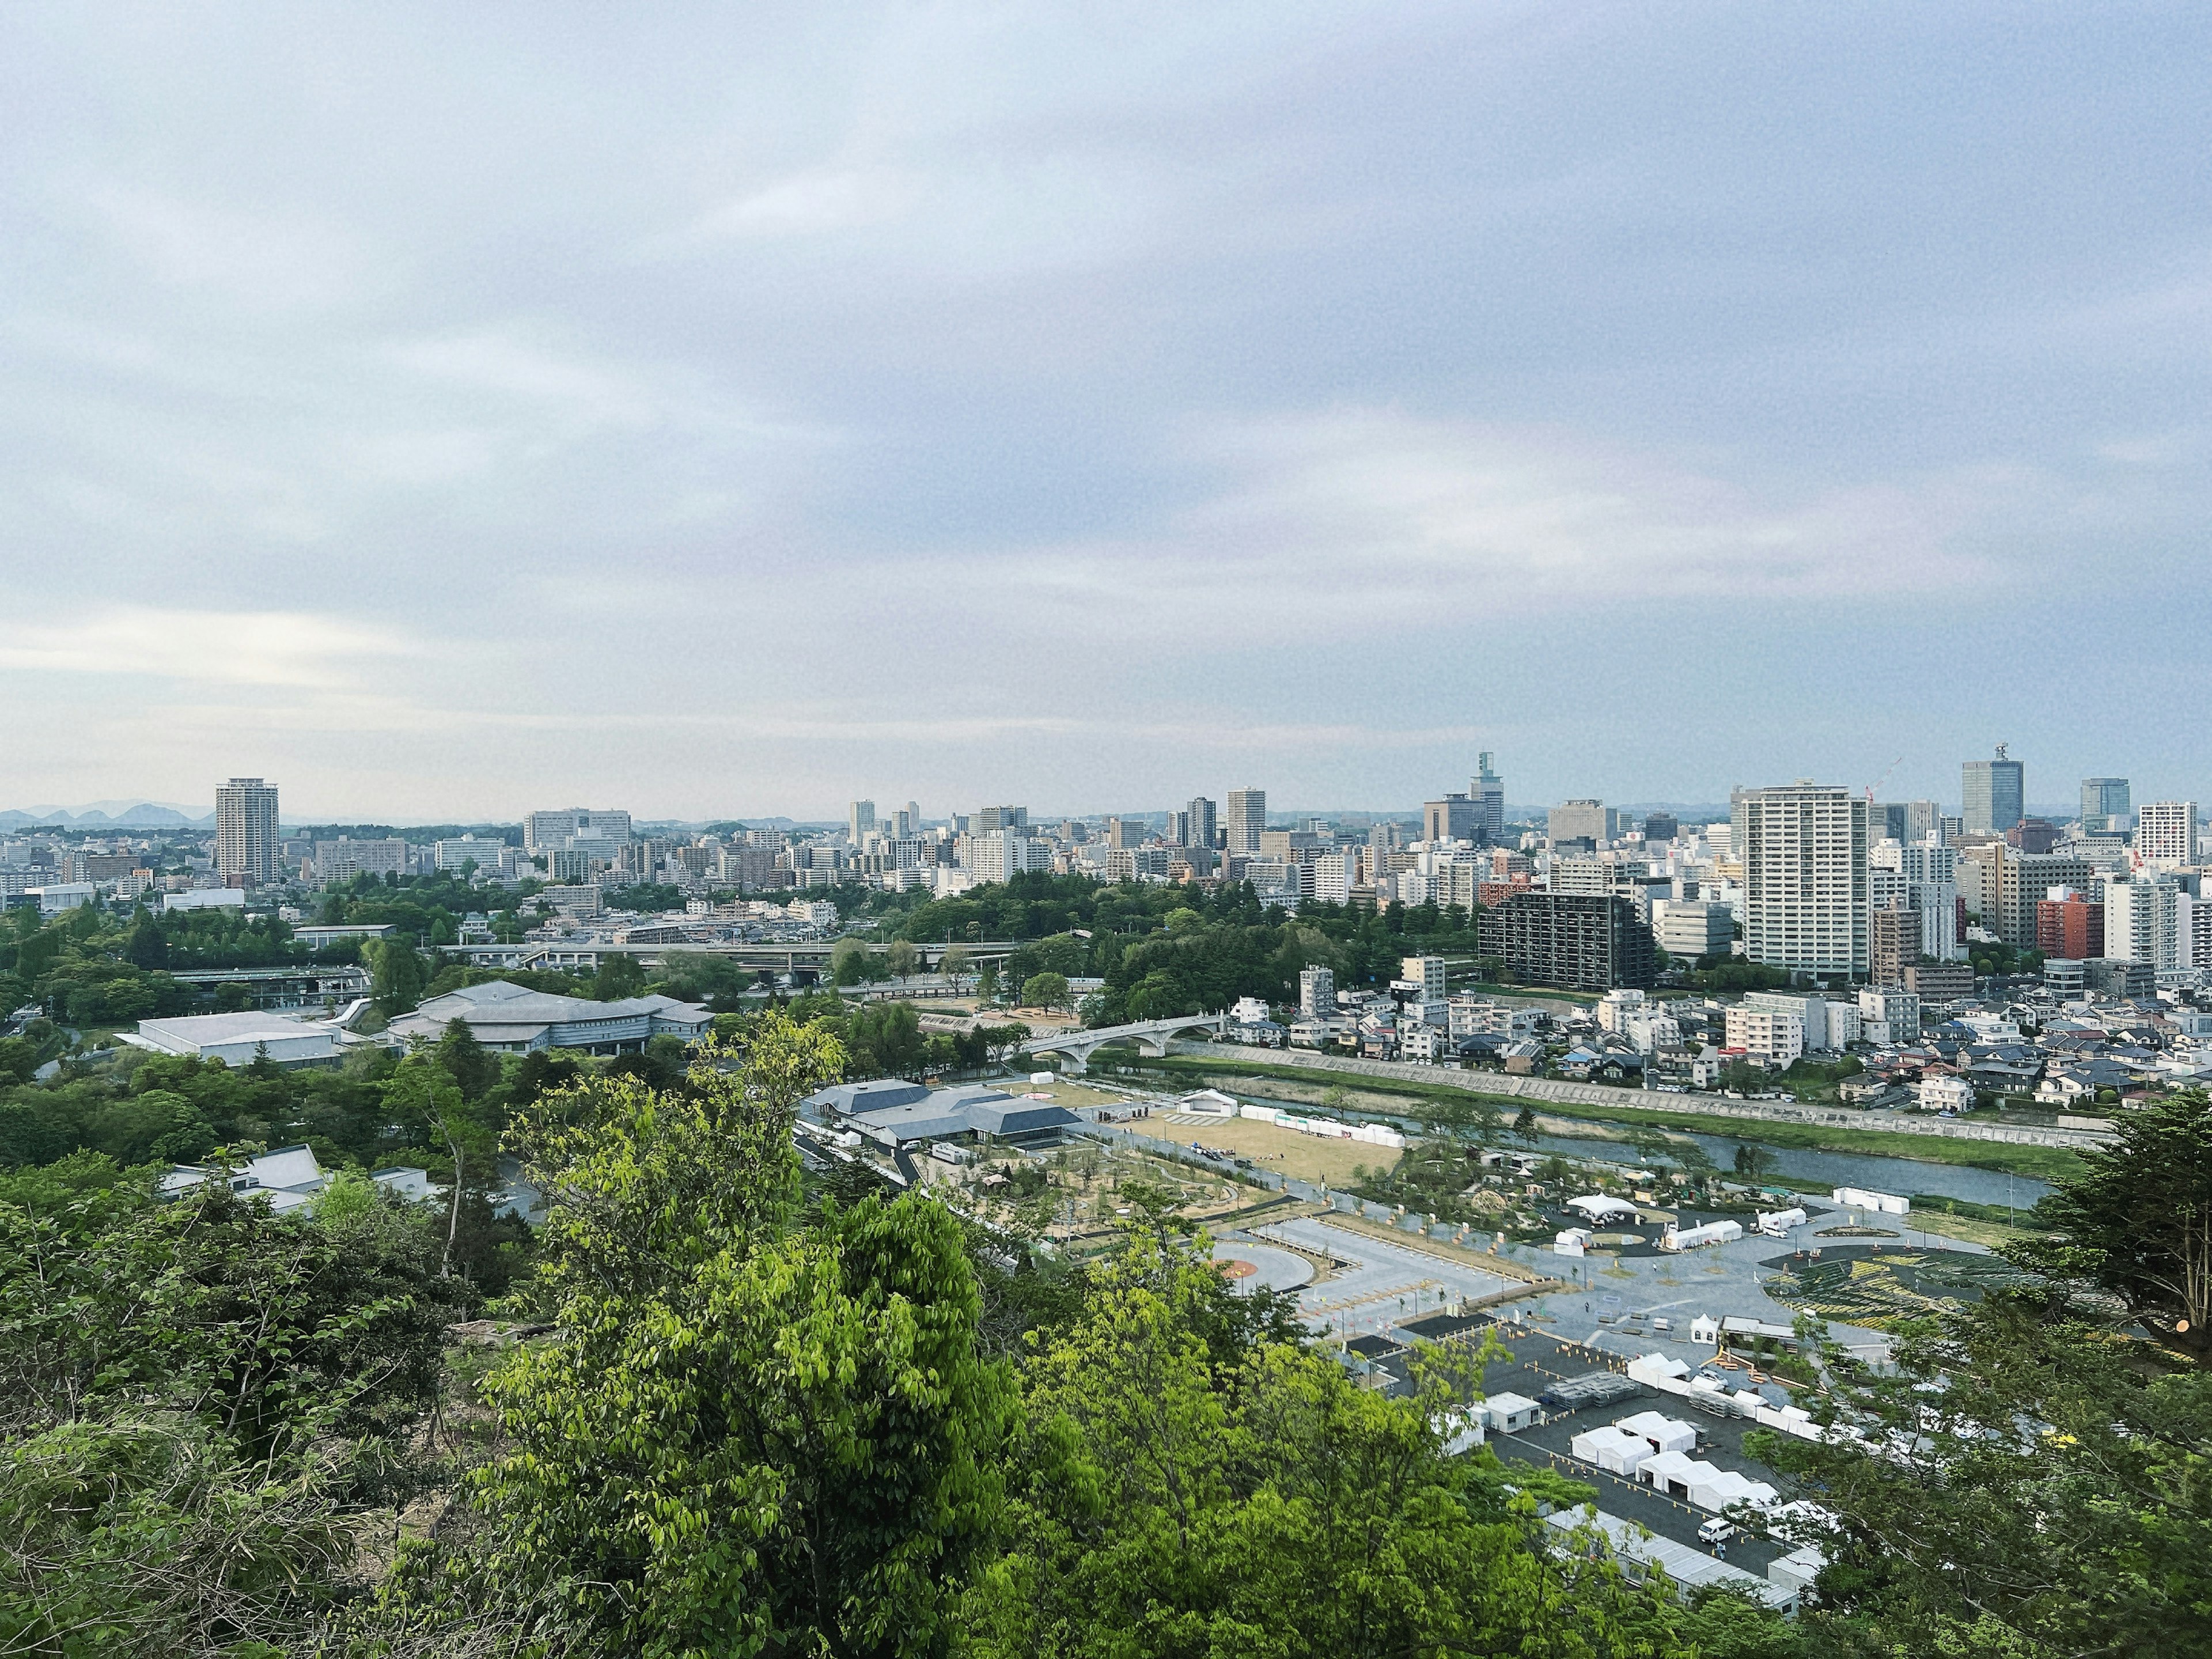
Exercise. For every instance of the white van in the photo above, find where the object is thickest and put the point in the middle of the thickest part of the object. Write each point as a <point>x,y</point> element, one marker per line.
<point>1715,1531</point>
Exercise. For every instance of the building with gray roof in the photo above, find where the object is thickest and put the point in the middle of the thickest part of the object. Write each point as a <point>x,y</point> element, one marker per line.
<point>518,1020</point>
<point>897,1113</point>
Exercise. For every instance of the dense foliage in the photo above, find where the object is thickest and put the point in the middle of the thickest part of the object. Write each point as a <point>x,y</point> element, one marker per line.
<point>752,1410</point>
<point>1166,950</point>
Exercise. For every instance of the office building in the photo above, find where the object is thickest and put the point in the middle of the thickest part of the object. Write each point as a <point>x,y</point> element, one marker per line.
<point>1803,848</point>
<point>1923,877</point>
<point>1453,818</point>
<point>1583,820</point>
<point>1905,820</point>
<point>1489,792</point>
<point>544,831</point>
<point>2104,805</point>
<point>1245,821</point>
<point>1200,821</point>
<point>1687,929</point>
<point>859,821</point>
<point>2014,883</point>
<point>1893,941</point>
<point>2069,925</point>
<point>2032,836</point>
<point>1578,941</point>
<point>1317,993</point>
<point>1661,826</point>
<point>2166,834</point>
<point>1994,793</point>
<point>986,819</point>
<point>245,832</point>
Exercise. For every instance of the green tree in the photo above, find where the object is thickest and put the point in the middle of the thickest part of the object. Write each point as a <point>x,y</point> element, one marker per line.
<point>1178,1496</point>
<point>760,1433</point>
<point>900,957</point>
<point>619,976</point>
<point>397,976</point>
<point>848,963</point>
<point>1752,1161</point>
<point>2136,1222</point>
<point>473,1068</point>
<point>956,963</point>
<point>1045,991</point>
<point>2053,1501</point>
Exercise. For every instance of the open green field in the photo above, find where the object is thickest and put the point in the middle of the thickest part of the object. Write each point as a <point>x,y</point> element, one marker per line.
<point>1412,1096</point>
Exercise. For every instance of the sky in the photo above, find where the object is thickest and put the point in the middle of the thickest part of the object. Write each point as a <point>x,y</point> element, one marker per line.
<point>718,411</point>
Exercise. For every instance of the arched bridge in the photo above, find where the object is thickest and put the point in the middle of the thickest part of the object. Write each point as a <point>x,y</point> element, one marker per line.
<point>1152,1037</point>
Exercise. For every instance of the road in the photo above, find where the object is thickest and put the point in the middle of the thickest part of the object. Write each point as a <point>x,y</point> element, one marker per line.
<point>1538,1089</point>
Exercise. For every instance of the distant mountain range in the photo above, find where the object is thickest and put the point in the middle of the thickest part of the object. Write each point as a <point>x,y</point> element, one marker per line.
<point>110,815</point>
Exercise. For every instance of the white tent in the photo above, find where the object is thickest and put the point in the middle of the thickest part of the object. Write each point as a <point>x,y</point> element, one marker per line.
<point>1670,1472</point>
<point>1725,1487</point>
<point>1600,1208</point>
<point>1665,1433</point>
<point>1705,1329</point>
<point>1778,1223</point>
<point>1653,1369</point>
<point>1689,1238</point>
<point>1611,1448</point>
<point>1572,1240</point>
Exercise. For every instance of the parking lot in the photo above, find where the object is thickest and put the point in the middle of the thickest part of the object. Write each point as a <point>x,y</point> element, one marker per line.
<point>1540,1360</point>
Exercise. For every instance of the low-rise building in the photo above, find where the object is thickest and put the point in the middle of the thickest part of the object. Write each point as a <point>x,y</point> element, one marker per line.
<point>515,1019</point>
<point>1764,1034</point>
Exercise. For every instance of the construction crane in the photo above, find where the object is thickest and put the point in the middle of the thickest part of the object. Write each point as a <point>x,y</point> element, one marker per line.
<point>1887,773</point>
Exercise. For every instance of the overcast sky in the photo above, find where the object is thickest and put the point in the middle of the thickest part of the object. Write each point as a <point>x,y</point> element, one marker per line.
<point>729,410</point>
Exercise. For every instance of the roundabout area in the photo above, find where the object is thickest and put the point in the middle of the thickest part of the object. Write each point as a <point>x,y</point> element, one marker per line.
<point>1249,1265</point>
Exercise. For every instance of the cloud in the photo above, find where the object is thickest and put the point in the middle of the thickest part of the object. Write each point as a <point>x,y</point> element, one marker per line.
<point>269,648</point>
<point>1305,524</point>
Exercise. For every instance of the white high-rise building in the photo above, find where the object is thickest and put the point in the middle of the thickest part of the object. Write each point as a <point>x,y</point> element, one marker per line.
<point>1246,818</point>
<point>1803,849</point>
<point>859,821</point>
<point>245,832</point>
<point>2143,921</point>
<point>1002,855</point>
<point>2166,834</point>
<point>1335,874</point>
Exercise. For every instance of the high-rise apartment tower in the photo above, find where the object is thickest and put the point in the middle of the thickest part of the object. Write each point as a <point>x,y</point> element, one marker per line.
<point>1803,848</point>
<point>1246,818</point>
<point>245,831</point>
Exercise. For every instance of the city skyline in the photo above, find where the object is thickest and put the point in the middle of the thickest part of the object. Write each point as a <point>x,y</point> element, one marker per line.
<point>1019,403</point>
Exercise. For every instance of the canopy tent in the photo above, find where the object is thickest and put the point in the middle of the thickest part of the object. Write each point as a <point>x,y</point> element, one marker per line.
<point>1598,1208</point>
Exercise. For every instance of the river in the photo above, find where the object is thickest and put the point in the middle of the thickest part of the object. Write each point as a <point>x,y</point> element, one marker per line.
<point>1905,1176</point>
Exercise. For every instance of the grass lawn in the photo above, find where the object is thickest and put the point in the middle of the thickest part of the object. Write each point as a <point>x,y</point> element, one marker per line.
<point>1420,1099</point>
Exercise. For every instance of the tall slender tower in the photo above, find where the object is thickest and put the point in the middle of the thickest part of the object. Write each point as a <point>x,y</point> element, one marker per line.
<point>245,832</point>
<point>1489,792</point>
<point>1246,818</point>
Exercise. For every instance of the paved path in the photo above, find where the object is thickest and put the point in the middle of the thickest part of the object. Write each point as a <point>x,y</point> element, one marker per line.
<point>1378,1284</point>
